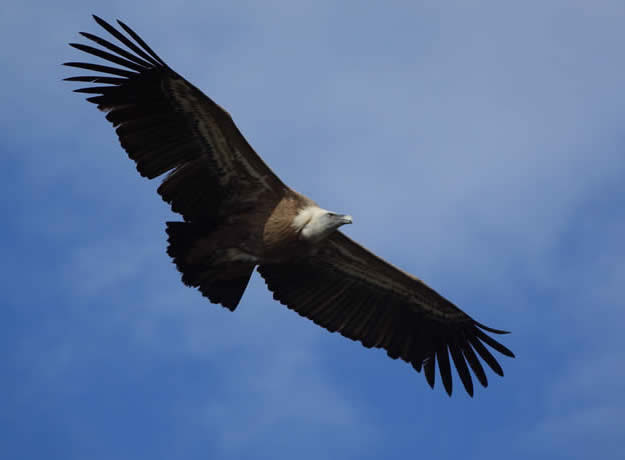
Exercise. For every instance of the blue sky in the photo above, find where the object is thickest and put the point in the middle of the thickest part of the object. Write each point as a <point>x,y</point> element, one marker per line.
<point>480,148</point>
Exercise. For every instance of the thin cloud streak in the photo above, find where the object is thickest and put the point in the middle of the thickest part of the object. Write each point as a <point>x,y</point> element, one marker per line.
<point>501,128</point>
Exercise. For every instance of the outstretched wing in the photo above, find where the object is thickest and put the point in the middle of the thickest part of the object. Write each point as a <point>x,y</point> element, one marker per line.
<point>165,124</point>
<point>348,289</point>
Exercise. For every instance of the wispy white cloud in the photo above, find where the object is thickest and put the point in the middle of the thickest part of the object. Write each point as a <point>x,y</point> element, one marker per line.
<point>588,430</point>
<point>284,391</point>
<point>479,148</point>
<point>583,409</point>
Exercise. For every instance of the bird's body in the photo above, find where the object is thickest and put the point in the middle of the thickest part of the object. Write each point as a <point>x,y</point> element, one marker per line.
<point>238,215</point>
<point>227,251</point>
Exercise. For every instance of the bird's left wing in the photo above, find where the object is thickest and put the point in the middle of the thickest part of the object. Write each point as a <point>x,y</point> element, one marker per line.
<point>346,288</point>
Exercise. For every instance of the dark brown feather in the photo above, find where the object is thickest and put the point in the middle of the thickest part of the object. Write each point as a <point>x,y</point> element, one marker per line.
<point>115,33</point>
<point>165,124</point>
<point>101,68</point>
<point>475,364</point>
<point>428,370</point>
<point>140,41</point>
<point>486,356</point>
<point>117,50</point>
<point>493,343</point>
<point>444,368</point>
<point>461,368</point>
<point>109,57</point>
<point>96,79</point>
<point>336,291</point>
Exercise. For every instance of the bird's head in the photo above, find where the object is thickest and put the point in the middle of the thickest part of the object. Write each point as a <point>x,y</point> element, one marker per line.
<point>315,224</point>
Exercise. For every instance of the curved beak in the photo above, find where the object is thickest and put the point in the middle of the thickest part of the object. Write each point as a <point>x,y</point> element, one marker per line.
<point>345,219</point>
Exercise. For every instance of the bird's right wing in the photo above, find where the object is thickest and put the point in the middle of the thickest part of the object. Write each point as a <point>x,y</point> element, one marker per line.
<point>165,124</point>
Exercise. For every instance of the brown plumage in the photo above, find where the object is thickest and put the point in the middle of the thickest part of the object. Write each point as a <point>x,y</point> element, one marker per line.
<point>238,215</point>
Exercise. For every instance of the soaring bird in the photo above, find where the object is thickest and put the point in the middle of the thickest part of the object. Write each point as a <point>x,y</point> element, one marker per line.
<point>238,215</point>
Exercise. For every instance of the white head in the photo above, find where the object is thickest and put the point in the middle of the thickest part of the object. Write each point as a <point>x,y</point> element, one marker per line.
<point>315,224</point>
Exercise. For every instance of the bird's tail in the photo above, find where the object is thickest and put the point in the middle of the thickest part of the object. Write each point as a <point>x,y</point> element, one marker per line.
<point>198,255</point>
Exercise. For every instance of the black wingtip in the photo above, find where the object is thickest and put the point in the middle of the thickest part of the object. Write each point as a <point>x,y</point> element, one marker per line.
<point>429,372</point>
<point>101,22</point>
<point>141,43</point>
<point>493,343</point>
<point>444,368</point>
<point>490,329</point>
<point>486,356</point>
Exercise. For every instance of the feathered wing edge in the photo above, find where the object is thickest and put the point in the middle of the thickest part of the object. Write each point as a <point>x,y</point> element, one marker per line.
<point>153,130</point>
<point>165,124</point>
<point>319,290</point>
<point>144,60</point>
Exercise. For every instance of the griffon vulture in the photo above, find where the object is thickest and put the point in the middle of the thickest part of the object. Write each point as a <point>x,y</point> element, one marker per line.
<point>238,215</point>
